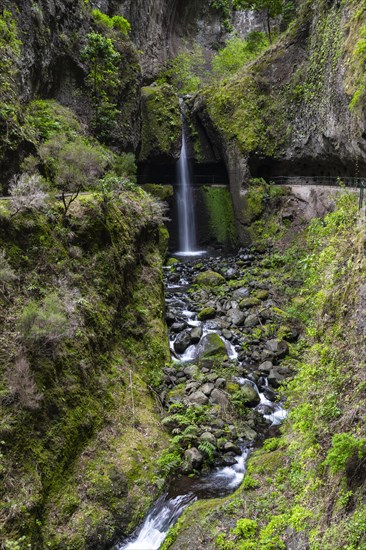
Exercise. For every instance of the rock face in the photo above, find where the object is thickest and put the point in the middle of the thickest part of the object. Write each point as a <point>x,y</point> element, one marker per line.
<point>161,27</point>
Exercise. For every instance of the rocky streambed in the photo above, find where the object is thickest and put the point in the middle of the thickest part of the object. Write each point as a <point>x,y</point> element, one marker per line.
<point>229,341</point>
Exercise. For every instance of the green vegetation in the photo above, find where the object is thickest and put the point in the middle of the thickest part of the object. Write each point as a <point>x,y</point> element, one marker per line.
<point>103,80</point>
<point>219,206</point>
<point>86,302</point>
<point>237,52</point>
<point>308,484</point>
<point>186,71</point>
<point>116,22</point>
<point>161,122</point>
<point>10,110</point>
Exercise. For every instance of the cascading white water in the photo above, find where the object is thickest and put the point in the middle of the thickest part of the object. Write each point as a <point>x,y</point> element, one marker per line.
<point>185,202</point>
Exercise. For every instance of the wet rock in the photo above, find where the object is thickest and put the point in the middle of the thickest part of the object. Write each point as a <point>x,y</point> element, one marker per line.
<point>230,447</point>
<point>275,378</point>
<point>211,345</point>
<point>209,437</point>
<point>266,355</point>
<point>235,317</point>
<point>269,394</point>
<point>210,278</point>
<point>194,459</point>
<point>230,274</point>
<point>191,371</point>
<point>191,387</point>
<point>249,395</point>
<point>252,321</point>
<point>229,460</point>
<point>169,318</point>
<point>227,334</point>
<point>248,433</point>
<point>207,388</point>
<point>266,367</point>
<point>278,347</point>
<point>218,397</point>
<point>241,293</point>
<point>178,326</point>
<point>206,313</point>
<point>198,398</point>
<point>196,334</point>
<point>182,341</point>
<point>220,383</point>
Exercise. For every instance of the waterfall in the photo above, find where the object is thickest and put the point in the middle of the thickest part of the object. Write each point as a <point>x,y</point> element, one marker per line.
<point>185,202</point>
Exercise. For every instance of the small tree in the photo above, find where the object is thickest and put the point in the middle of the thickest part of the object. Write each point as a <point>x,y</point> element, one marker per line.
<point>27,193</point>
<point>73,166</point>
<point>271,9</point>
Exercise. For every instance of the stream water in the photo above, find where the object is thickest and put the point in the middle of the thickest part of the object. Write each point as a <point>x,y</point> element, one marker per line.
<point>222,480</point>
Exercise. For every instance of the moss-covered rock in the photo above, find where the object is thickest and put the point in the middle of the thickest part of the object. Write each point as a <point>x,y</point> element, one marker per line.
<point>161,123</point>
<point>206,313</point>
<point>210,278</point>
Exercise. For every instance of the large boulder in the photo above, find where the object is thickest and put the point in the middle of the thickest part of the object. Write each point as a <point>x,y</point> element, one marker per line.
<point>206,313</point>
<point>278,347</point>
<point>249,395</point>
<point>198,398</point>
<point>219,397</point>
<point>241,293</point>
<point>210,278</point>
<point>182,341</point>
<point>196,334</point>
<point>235,316</point>
<point>193,458</point>
<point>211,345</point>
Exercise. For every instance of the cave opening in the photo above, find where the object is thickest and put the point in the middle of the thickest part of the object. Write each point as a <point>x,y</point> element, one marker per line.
<point>329,166</point>
<point>208,173</point>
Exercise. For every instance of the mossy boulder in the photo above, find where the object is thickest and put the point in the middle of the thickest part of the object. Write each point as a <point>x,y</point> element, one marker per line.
<point>161,192</point>
<point>210,278</point>
<point>206,313</point>
<point>172,261</point>
<point>161,123</point>
<point>211,345</point>
<point>248,303</point>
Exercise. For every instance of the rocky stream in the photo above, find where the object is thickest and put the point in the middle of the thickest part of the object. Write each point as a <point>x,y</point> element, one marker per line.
<point>228,345</point>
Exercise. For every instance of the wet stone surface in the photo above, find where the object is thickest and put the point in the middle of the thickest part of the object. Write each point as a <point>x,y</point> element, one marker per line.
<point>229,348</point>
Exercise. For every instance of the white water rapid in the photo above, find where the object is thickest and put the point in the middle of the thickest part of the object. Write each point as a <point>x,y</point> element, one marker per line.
<point>170,507</point>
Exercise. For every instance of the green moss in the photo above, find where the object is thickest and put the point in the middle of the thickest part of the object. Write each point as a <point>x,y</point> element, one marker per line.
<point>162,192</point>
<point>10,109</point>
<point>161,122</point>
<point>219,207</point>
<point>210,278</point>
<point>92,433</point>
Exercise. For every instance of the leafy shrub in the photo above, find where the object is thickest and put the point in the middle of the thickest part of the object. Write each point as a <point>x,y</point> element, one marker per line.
<point>116,22</point>
<point>169,461</point>
<point>237,52</point>
<point>73,166</point>
<point>345,447</point>
<point>246,528</point>
<point>124,165</point>
<point>208,449</point>
<point>186,71</point>
<point>27,193</point>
